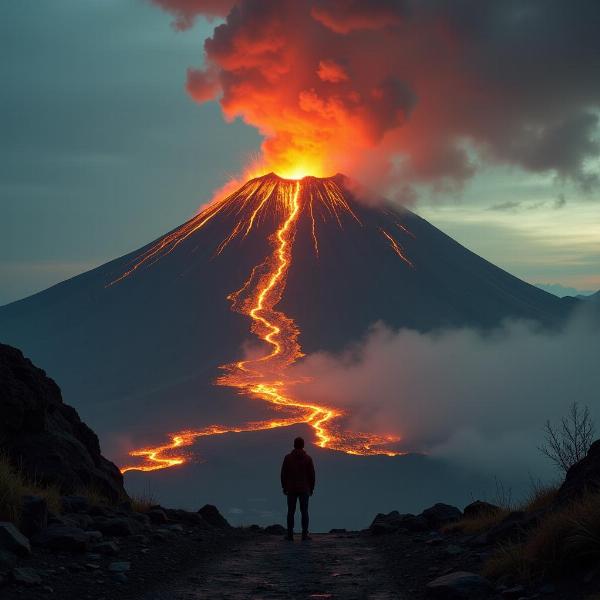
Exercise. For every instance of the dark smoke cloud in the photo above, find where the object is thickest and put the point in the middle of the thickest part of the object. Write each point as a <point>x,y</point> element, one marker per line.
<point>480,399</point>
<point>410,90</point>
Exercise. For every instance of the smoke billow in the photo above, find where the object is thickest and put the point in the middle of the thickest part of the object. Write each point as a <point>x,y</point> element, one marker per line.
<point>406,90</point>
<point>478,398</point>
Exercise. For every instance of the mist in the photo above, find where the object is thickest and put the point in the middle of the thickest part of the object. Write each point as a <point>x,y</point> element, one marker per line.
<point>479,399</point>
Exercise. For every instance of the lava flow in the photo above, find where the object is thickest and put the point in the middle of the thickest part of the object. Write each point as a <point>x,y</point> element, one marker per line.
<point>265,378</point>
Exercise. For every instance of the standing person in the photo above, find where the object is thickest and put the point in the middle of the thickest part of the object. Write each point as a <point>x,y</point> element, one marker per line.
<point>298,483</point>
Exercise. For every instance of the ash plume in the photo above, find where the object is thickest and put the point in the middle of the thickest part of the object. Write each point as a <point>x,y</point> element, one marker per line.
<point>407,91</point>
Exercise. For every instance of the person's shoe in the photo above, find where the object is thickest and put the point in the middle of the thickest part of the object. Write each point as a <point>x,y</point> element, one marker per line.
<point>289,537</point>
<point>306,537</point>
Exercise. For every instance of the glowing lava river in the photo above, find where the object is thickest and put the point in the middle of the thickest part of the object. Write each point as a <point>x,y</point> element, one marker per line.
<point>265,378</point>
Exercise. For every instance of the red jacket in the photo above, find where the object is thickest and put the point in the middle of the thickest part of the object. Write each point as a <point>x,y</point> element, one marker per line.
<point>298,473</point>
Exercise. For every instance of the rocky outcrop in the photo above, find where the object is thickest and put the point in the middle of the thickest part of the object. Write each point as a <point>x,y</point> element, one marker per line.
<point>582,477</point>
<point>45,437</point>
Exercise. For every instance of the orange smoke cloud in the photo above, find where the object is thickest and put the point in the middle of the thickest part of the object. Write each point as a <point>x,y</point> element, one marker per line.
<point>405,90</point>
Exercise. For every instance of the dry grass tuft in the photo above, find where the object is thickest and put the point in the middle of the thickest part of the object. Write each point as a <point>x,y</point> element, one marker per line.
<point>142,502</point>
<point>541,497</point>
<point>14,485</point>
<point>565,541</point>
<point>508,559</point>
<point>567,538</point>
<point>12,488</point>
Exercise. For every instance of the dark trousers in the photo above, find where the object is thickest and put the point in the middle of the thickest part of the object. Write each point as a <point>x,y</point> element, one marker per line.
<point>291,501</point>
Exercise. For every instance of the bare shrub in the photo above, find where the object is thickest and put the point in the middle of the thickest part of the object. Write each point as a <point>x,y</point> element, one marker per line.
<point>568,442</point>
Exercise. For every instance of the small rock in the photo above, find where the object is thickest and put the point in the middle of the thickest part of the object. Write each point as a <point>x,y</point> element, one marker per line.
<point>106,548</point>
<point>48,589</point>
<point>62,538</point>
<point>25,576</point>
<point>337,531</point>
<point>177,527</point>
<point>158,516</point>
<point>453,550</point>
<point>213,517</point>
<point>140,538</point>
<point>436,541</point>
<point>93,556</point>
<point>92,566</point>
<point>516,591</point>
<point>458,586</point>
<point>12,540</point>
<point>117,526</point>
<point>82,521</point>
<point>548,588</point>
<point>119,567</point>
<point>120,577</point>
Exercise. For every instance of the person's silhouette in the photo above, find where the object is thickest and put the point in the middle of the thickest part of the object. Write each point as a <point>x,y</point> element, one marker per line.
<point>298,483</point>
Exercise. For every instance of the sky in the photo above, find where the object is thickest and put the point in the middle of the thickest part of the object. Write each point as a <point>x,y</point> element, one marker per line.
<point>103,149</point>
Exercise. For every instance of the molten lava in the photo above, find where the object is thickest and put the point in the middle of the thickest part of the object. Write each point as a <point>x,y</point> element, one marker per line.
<point>265,378</point>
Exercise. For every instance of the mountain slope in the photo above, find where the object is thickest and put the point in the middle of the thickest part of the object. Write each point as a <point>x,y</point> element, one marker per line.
<point>143,350</point>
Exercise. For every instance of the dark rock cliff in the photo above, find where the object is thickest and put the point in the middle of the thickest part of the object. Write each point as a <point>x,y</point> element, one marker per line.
<point>45,437</point>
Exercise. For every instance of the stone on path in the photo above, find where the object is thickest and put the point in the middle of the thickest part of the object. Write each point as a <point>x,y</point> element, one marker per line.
<point>460,585</point>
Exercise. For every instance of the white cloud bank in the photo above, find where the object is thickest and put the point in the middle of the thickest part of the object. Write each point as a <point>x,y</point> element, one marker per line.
<point>477,398</point>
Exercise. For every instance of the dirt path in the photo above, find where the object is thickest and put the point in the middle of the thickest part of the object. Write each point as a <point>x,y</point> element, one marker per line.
<point>344,566</point>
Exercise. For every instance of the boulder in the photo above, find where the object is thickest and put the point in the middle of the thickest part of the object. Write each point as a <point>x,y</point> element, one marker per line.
<point>395,521</point>
<point>582,477</point>
<point>106,548</point>
<point>386,523</point>
<point>478,508</point>
<point>460,585</point>
<point>63,539</point>
<point>116,526</point>
<point>34,514</point>
<point>191,518</point>
<point>440,514</point>
<point>12,540</point>
<point>415,523</point>
<point>213,517</point>
<point>45,437</point>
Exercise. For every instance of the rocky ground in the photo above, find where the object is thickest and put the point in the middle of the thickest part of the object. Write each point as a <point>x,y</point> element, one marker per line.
<point>101,552</point>
<point>58,542</point>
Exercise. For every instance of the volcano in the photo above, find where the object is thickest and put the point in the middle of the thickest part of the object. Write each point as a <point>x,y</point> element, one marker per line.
<point>278,269</point>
